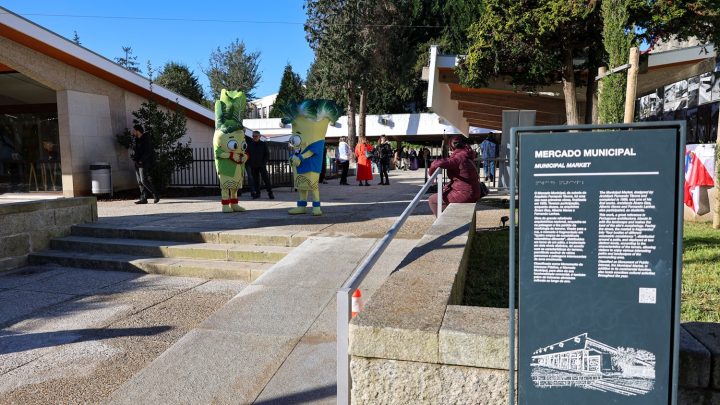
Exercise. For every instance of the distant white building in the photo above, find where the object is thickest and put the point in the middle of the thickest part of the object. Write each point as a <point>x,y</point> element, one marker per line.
<point>260,108</point>
<point>405,127</point>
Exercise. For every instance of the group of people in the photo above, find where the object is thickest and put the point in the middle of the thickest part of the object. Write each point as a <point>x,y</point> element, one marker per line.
<point>382,156</point>
<point>463,185</point>
<point>144,158</point>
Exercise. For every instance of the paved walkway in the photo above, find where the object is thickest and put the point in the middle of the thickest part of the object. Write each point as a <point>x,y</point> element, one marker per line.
<point>84,335</point>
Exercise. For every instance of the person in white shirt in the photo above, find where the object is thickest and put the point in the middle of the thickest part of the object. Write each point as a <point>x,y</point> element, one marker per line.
<point>342,156</point>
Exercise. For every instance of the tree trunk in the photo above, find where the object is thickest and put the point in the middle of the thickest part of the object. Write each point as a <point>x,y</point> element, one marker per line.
<point>716,208</point>
<point>352,135</point>
<point>568,78</point>
<point>362,111</point>
<point>602,71</point>
<point>591,97</point>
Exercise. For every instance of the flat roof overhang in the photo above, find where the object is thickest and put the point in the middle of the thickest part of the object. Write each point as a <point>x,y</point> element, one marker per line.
<point>464,107</point>
<point>35,37</point>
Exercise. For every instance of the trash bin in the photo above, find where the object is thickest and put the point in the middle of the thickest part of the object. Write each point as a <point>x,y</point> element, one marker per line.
<point>100,178</point>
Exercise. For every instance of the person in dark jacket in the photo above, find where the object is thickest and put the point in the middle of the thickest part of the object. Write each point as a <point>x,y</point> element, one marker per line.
<point>259,156</point>
<point>384,155</point>
<point>144,157</point>
<point>464,185</point>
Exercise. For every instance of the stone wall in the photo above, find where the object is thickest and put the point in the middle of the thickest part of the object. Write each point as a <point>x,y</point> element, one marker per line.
<point>28,226</point>
<point>411,344</point>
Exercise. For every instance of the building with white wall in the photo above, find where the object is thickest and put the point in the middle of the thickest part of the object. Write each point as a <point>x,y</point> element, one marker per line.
<point>260,108</point>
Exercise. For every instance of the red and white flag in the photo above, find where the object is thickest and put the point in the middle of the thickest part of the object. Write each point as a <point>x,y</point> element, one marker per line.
<point>697,181</point>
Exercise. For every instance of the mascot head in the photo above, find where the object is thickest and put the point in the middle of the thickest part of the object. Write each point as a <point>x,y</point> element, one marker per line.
<point>229,111</point>
<point>310,119</point>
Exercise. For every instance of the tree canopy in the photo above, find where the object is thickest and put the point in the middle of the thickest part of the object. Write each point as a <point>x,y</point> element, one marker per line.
<point>233,68</point>
<point>533,42</point>
<point>291,91</point>
<point>179,78</point>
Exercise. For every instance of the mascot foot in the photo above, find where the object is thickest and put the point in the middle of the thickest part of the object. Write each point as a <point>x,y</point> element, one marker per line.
<point>237,208</point>
<point>296,210</point>
<point>317,211</point>
<point>227,208</point>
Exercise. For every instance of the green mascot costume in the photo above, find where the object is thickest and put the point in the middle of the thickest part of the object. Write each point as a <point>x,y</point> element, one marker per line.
<point>310,119</point>
<point>229,146</point>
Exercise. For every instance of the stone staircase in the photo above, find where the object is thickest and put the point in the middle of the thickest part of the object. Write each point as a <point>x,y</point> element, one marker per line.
<point>227,255</point>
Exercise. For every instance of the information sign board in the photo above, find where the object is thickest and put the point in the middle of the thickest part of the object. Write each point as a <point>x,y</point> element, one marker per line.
<point>598,265</point>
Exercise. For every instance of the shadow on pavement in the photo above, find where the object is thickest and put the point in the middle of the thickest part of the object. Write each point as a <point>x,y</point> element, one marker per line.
<point>14,343</point>
<point>302,397</point>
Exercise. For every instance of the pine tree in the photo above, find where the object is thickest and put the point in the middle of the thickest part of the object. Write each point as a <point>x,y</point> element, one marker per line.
<point>180,79</point>
<point>233,68</point>
<point>291,91</point>
<point>129,61</point>
<point>76,38</point>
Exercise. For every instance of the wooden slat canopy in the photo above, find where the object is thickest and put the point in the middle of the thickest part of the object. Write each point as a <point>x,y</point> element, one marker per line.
<point>483,107</point>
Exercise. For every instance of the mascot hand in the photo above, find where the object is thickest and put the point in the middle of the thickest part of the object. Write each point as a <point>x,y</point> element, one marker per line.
<point>236,157</point>
<point>244,158</point>
<point>295,161</point>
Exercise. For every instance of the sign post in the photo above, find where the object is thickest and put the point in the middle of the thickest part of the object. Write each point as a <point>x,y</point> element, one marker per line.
<point>600,250</point>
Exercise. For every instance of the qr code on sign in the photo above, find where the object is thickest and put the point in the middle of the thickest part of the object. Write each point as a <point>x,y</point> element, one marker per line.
<point>647,296</point>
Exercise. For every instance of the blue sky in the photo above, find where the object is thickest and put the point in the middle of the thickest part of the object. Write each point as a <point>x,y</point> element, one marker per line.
<point>272,27</point>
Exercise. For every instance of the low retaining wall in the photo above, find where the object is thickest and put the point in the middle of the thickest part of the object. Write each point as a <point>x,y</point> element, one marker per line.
<point>413,344</point>
<point>28,226</point>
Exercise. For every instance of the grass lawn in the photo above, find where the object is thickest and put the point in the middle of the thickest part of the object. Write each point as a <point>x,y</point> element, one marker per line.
<point>487,281</point>
<point>701,273</point>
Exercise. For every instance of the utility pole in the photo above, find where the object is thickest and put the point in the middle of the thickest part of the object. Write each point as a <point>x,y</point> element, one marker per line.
<point>716,176</point>
<point>631,91</point>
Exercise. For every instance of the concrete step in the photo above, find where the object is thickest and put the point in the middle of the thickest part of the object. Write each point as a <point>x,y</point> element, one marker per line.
<point>246,271</point>
<point>262,237</point>
<point>161,248</point>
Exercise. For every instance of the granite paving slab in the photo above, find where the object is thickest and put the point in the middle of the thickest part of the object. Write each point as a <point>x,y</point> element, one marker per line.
<point>15,304</point>
<point>78,282</point>
<point>235,368</point>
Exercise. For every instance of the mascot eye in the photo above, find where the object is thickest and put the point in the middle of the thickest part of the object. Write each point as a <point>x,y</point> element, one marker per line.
<point>232,145</point>
<point>295,140</point>
<point>243,146</point>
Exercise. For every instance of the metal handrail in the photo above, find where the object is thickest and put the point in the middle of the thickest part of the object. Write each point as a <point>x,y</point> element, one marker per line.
<point>343,295</point>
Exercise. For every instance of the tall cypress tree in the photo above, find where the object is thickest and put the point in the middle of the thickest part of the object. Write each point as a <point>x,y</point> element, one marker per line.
<point>617,41</point>
<point>291,91</point>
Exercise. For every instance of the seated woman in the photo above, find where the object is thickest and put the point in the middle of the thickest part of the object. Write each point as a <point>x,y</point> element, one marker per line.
<point>464,185</point>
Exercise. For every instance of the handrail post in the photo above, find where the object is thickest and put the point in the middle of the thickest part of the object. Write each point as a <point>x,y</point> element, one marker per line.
<point>440,181</point>
<point>343,344</point>
<point>343,295</point>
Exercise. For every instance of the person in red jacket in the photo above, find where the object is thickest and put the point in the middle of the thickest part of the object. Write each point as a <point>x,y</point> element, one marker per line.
<point>363,153</point>
<point>464,185</point>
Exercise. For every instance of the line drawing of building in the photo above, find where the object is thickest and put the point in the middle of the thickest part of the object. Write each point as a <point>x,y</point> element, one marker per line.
<point>583,362</point>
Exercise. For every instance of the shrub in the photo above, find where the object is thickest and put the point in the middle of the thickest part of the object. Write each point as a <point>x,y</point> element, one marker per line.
<point>166,129</point>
